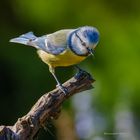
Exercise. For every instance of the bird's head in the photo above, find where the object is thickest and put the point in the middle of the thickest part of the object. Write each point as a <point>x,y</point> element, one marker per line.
<point>83,40</point>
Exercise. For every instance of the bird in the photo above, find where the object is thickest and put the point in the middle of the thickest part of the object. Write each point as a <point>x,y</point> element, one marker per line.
<point>62,48</point>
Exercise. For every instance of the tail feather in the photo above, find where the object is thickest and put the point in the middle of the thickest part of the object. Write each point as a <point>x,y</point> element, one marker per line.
<point>24,39</point>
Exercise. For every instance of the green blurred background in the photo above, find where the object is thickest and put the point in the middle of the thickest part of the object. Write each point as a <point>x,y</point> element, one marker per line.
<point>108,112</point>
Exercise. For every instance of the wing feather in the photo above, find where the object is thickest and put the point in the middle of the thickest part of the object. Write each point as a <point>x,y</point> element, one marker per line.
<point>54,43</point>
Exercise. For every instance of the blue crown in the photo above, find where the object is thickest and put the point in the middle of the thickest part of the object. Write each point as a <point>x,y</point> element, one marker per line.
<point>92,34</point>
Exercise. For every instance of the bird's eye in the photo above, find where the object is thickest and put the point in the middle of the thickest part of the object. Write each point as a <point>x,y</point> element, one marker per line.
<point>83,43</point>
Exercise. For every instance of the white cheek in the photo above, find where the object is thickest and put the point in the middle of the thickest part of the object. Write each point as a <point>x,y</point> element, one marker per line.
<point>81,48</point>
<point>77,46</point>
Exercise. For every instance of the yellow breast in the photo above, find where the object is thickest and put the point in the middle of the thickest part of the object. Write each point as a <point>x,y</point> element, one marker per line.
<point>66,58</point>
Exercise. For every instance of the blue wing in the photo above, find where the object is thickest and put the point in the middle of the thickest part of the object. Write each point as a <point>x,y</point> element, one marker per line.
<point>46,45</point>
<point>54,43</point>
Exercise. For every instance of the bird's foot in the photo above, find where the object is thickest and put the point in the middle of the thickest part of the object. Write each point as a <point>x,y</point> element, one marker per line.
<point>80,72</point>
<point>62,88</point>
<point>79,69</point>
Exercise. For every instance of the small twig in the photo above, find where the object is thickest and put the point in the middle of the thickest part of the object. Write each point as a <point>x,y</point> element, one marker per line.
<point>48,106</point>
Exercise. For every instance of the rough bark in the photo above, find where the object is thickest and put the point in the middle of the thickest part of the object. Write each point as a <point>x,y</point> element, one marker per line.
<point>48,106</point>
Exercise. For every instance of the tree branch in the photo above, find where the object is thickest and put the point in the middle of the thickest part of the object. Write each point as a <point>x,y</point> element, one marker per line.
<point>48,106</point>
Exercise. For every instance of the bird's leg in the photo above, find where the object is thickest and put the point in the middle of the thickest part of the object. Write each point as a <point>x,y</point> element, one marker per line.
<point>59,85</point>
<point>79,69</point>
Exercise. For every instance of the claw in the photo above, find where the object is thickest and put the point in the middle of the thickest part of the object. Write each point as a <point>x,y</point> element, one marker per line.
<point>80,72</point>
<point>63,89</point>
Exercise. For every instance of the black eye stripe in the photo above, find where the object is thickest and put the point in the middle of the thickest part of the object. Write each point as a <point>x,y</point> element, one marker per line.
<point>78,37</point>
<point>73,47</point>
<point>82,42</point>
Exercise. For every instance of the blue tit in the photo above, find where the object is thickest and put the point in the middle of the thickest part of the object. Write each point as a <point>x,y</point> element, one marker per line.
<point>62,48</point>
